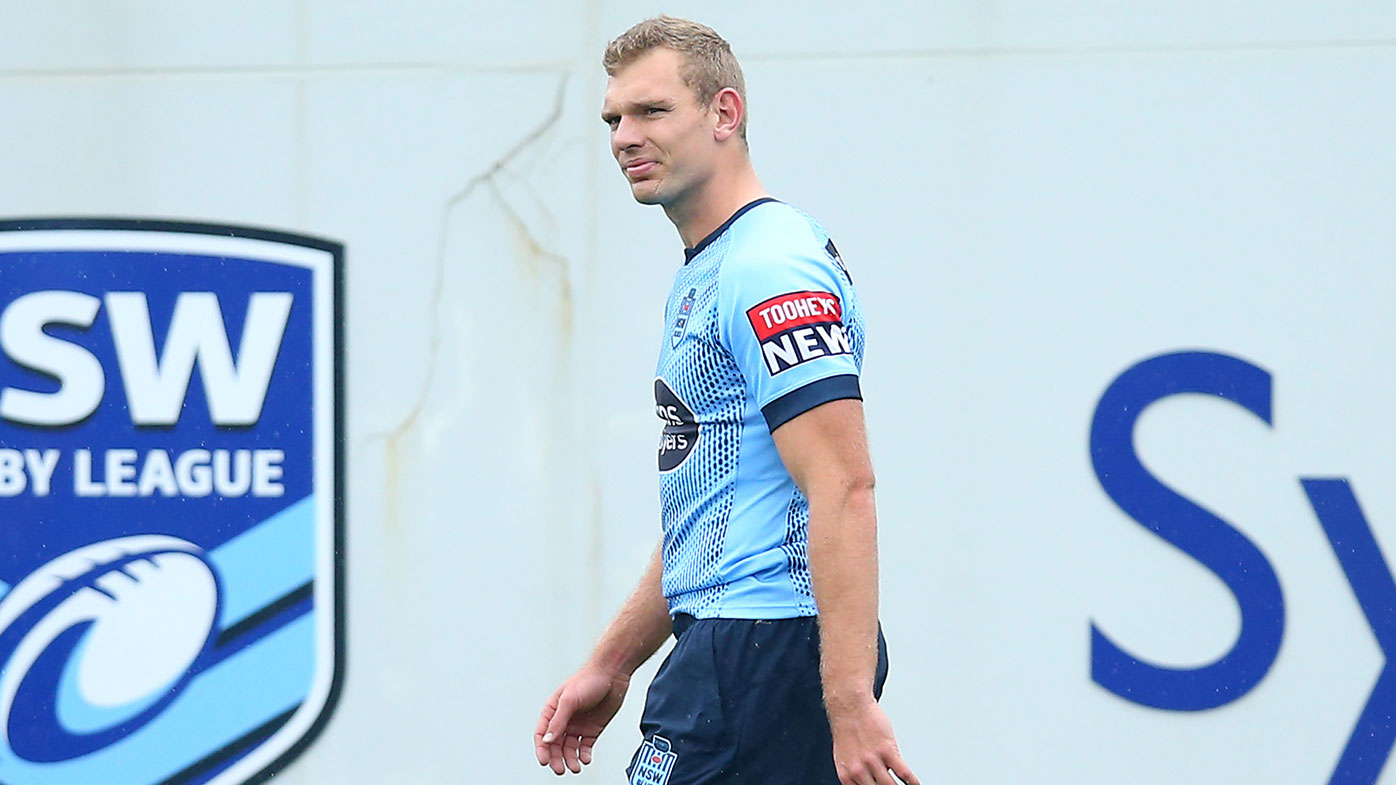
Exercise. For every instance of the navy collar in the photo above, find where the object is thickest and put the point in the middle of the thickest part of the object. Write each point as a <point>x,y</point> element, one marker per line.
<point>689,253</point>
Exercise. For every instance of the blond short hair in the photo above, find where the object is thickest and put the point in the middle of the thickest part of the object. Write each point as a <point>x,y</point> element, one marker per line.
<point>708,63</point>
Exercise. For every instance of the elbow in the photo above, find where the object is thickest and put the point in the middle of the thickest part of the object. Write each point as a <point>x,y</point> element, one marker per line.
<point>862,483</point>
<point>842,488</point>
<point>860,480</point>
<point>858,489</point>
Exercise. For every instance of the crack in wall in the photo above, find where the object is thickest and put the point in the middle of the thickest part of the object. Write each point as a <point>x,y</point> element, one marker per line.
<point>532,248</point>
<point>396,437</point>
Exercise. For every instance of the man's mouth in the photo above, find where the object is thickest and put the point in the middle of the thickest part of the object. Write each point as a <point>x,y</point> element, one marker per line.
<point>637,169</point>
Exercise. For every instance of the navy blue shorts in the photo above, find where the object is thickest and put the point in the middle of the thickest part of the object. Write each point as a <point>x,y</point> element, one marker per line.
<point>740,701</point>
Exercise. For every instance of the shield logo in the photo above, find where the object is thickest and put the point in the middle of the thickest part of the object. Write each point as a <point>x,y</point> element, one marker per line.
<point>681,321</point>
<point>654,762</point>
<point>171,474</point>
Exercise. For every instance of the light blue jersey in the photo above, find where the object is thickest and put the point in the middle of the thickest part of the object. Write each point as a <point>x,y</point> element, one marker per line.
<point>762,325</point>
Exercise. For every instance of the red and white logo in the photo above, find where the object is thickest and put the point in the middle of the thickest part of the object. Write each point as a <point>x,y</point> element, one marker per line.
<point>798,327</point>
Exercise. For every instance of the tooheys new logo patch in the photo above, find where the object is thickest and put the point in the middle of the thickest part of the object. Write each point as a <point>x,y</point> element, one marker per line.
<point>798,327</point>
<point>171,588</point>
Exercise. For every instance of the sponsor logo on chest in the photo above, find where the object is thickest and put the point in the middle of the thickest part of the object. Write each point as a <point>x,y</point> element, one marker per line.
<point>680,427</point>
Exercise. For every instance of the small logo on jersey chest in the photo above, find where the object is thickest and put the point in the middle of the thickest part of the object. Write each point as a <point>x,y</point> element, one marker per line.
<point>681,321</point>
<point>655,762</point>
<point>680,427</point>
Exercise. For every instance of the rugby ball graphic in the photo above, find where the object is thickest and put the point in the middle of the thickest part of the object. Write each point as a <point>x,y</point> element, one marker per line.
<point>97,642</point>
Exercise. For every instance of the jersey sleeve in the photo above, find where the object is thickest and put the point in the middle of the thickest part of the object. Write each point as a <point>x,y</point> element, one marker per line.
<point>783,319</point>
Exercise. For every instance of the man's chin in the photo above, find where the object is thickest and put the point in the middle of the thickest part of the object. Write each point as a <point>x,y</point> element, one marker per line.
<point>646,192</point>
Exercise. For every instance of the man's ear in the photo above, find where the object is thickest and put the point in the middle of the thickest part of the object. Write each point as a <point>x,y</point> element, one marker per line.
<point>730,110</point>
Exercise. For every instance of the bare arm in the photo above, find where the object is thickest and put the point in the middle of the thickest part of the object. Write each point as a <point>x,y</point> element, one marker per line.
<point>825,450</point>
<point>579,710</point>
<point>639,627</point>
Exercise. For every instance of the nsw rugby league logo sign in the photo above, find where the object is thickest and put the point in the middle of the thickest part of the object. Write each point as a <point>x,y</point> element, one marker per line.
<point>171,582</point>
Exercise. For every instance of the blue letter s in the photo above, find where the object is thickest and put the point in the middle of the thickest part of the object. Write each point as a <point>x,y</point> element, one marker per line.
<point>1187,526</point>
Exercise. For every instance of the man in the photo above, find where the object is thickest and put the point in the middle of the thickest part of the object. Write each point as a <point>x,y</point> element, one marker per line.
<point>767,570</point>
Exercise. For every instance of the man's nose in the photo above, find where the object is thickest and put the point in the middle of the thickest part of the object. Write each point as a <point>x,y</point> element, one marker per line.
<point>627,133</point>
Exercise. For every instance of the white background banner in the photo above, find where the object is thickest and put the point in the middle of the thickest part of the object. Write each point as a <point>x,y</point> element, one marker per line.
<point>1032,197</point>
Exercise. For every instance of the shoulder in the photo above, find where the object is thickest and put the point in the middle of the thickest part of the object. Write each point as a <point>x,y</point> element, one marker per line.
<point>776,240</point>
<point>773,229</point>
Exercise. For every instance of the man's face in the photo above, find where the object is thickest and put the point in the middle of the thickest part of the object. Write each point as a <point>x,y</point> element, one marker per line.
<point>660,136</point>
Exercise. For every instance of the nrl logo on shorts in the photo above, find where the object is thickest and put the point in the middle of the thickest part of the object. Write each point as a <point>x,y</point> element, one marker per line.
<point>654,763</point>
<point>171,589</point>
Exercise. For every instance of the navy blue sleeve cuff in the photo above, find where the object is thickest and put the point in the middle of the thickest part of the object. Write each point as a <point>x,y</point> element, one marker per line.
<point>796,402</point>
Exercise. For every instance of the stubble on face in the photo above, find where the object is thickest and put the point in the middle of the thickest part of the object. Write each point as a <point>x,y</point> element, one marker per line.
<point>655,124</point>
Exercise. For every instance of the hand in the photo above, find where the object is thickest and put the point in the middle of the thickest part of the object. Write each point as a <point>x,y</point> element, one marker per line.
<point>864,747</point>
<point>575,715</point>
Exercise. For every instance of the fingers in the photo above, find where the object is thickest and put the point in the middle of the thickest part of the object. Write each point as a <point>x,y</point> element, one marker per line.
<point>882,776</point>
<point>548,735</point>
<point>557,756</point>
<point>871,776</point>
<point>903,771</point>
<point>570,747</point>
<point>553,745</point>
<point>558,723</point>
<point>540,747</point>
<point>879,771</point>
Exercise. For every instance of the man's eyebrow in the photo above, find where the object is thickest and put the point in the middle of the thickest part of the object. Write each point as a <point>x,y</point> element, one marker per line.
<point>608,114</point>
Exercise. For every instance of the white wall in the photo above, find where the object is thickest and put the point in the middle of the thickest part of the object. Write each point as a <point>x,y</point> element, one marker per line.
<point>1032,196</point>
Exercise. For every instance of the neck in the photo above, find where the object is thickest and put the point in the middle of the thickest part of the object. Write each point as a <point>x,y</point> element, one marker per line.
<point>714,202</point>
